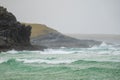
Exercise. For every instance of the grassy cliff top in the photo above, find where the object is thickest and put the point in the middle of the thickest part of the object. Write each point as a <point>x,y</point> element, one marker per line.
<point>40,29</point>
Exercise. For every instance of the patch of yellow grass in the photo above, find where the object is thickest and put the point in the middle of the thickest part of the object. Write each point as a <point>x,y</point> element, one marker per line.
<point>39,29</point>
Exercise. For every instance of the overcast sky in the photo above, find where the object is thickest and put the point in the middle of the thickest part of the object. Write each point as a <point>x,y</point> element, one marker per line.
<point>69,16</point>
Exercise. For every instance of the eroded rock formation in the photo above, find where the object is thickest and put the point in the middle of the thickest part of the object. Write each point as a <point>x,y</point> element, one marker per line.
<point>12,32</point>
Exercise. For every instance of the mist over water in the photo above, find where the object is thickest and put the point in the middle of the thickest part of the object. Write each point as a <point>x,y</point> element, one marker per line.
<point>109,38</point>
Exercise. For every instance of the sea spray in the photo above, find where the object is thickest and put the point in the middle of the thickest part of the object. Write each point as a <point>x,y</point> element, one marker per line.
<point>96,63</point>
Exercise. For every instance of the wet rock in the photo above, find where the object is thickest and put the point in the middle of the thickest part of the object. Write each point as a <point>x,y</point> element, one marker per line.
<point>13,34</point>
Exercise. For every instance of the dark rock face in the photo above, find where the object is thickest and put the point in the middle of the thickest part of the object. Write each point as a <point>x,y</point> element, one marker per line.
<point>6,16</point>
<point>12,33</point>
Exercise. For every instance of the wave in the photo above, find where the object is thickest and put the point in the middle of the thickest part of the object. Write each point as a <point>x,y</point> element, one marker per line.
<point>94,61</point>
<point>37,61</point>
<point>68,51</point>
<point>11,62</point>
<point>45,61</point>
<point>3,60</point>
<point>101,49</point>
<point>102,53</point>
<point>54,61</point>
<point>104,46</point>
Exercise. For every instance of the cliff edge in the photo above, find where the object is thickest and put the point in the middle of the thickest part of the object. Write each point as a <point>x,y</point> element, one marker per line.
<point>13,34</point>
<point>46,36</point>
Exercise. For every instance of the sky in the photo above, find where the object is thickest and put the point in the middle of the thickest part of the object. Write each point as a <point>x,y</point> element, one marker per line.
<point>69,16</point>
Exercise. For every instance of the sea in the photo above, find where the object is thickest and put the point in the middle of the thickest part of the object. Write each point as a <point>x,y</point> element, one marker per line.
<point>96,63</point>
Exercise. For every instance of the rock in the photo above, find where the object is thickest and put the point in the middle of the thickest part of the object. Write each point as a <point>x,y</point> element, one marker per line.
<point>13,34</point>
<point>6,16</point>
<point>12,30</point>
<point>53,39</point>
<point>2,41</point>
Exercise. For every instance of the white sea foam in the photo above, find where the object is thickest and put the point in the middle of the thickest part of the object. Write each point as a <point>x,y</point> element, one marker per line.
<point>103,48</point>
<point>103,52</point>
<point>55,51</point>
<point>45,61</point>
<point>12,51</point>
<point>3,60</point>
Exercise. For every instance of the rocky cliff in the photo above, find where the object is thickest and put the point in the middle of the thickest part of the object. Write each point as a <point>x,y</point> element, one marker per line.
<point>13,34</point>
<point>43,35</point>
<point>16,35</point>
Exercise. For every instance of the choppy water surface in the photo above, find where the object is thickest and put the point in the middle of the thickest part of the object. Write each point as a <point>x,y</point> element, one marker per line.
<point>96,63</point>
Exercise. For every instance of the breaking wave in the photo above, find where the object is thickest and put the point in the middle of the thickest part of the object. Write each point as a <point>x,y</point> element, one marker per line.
<point>45,61</point>
<point>101,53</point>
<point>103,48</point>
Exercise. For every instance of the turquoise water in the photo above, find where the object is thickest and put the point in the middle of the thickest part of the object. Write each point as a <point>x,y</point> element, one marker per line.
<point>96,63</point>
